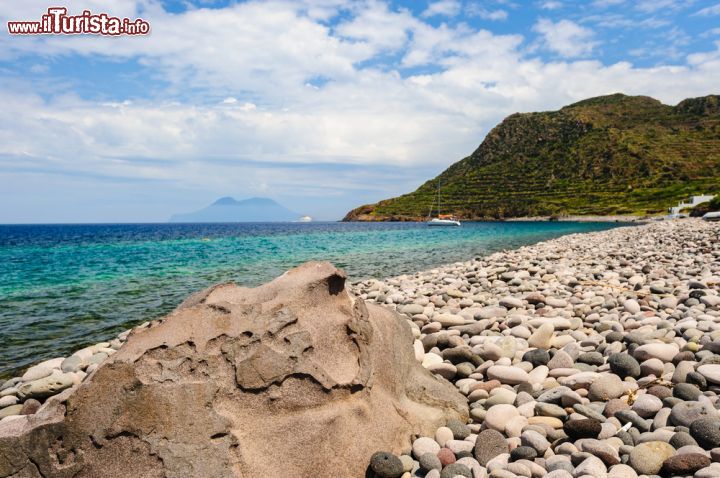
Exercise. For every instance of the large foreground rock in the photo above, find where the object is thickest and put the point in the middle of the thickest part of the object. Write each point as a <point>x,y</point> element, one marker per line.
<point>293,378</point>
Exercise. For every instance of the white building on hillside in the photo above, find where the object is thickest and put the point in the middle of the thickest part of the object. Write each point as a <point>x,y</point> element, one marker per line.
<point>694,201</point>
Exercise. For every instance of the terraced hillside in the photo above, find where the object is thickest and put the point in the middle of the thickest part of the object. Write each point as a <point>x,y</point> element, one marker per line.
<point>609,155</point>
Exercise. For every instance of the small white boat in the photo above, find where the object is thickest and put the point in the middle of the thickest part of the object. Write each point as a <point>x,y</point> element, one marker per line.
<point>712,216</point>
<point>442,219</point>
<point>305,219</point>
<point>443,222</point>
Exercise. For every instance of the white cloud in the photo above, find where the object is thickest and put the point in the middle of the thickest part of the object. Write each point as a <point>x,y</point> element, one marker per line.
<point>565,37</point>
<point>650,6</point>
<point>709,11</point>
<point>446,8</point>
<point>617,20</point>
<point>443,45</point>
<point>707,61</point>
<point>39,69</point>
<point>551,5</point>
<point>378,29</point>
<point>476,10</point>
<point>606,3</point>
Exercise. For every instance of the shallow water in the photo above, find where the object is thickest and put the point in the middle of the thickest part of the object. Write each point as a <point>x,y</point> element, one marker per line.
<point>66,286</point>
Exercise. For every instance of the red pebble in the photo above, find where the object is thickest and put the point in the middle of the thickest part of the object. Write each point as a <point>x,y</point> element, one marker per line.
<point>446,456</point>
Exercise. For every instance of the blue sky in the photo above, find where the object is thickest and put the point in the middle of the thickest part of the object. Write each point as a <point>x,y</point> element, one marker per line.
<point>322,105</point>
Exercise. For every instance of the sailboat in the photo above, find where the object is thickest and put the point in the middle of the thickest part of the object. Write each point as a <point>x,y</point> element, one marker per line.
<point>441,219</point>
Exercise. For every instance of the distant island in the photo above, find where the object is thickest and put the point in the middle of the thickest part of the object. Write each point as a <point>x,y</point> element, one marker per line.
<point>228,209</point>
<point>606,156</point>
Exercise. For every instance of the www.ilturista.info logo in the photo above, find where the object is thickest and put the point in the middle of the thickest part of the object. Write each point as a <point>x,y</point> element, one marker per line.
<point>58,22</point>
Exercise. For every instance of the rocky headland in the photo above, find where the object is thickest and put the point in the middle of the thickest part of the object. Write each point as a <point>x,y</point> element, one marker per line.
<point>591,355</point>
<point>604,156</point>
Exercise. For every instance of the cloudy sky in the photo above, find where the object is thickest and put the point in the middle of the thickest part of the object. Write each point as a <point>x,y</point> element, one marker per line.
<point>322,105</point>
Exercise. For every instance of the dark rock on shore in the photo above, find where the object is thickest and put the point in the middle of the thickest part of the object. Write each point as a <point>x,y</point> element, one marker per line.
<point>589,428</point>
<point>624,365</point>
<point>685,464</point>
<point>386,465</point>
<point>706,431</point>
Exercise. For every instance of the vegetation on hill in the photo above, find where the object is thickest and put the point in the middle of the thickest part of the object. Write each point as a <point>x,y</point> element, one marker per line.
<point>610,155</point>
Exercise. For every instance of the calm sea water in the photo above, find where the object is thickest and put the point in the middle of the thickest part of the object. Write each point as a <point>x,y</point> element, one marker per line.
<point>66,286</point>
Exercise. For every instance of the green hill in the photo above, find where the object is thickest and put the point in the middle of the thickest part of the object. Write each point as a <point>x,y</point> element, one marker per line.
<point>610,155</point>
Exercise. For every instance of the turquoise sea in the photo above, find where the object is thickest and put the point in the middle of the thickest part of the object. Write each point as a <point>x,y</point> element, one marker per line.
<point>66,286</point>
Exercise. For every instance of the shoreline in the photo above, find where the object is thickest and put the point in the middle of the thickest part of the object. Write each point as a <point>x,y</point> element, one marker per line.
<point>571,218</point>
<point>573,353</point>
<point>633,219</point>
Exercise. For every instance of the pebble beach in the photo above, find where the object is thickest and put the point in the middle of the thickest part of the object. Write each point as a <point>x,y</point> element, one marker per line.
<point>590,355</point>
